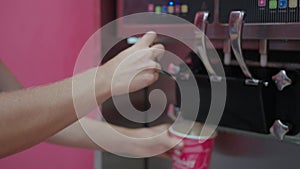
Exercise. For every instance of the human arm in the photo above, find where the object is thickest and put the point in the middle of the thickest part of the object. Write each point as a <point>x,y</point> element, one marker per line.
<point>30,116</point>
<point>75,136</point>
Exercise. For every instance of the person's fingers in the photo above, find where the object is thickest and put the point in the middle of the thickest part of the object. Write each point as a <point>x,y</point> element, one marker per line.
<point>158,51</point>
<point>158,46</point>
<point>160,128</point>
<point>147,40</point>
<point>156,66</point>
<point>177,142</point>
<point>152,67</point>
<point>166,155</point>
<point>148,77</point>
<point>167,140</point>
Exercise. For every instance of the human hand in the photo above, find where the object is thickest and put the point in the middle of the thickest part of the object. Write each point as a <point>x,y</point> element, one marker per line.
<point>135,67</point>
<point>153,143</point>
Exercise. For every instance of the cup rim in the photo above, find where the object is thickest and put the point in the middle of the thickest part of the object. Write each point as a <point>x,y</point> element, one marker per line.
<point>182,135</point>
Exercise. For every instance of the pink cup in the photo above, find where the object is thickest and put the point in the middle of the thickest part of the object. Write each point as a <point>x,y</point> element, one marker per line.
<point>197,149</point>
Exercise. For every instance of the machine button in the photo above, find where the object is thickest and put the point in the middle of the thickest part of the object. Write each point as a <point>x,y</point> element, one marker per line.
<point>282,4</point>
<point>164,9</point>
<point>158,9</point>
<point>184,8</point>
<point>293,3</point>
<point>273,4</point>
<point>262,3</point>
<point>170,9</point>
<point>151,8</point>
<point>177,8</point>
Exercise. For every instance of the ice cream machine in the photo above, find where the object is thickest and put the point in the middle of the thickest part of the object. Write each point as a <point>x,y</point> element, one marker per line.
<point>258,45</point>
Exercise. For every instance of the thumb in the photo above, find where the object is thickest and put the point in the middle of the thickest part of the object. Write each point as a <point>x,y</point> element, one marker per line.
<point>158,51</point>
<point>177,142</point>
<point>168,140</point>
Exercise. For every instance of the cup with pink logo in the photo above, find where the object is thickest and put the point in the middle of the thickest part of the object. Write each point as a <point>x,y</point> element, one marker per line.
<point>198,145</point>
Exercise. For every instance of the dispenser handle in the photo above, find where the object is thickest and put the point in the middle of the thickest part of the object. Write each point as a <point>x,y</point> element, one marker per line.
<point>235,31</point>
<point>200,40</point>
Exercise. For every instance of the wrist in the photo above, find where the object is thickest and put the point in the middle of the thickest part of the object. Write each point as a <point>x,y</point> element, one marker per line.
<point>102,84</point>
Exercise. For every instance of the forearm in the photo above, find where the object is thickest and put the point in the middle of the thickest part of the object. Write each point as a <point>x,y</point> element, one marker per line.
<point>76,135</point>
<point>74,131</point>
<point>30,116</point>
<point>142,142</point>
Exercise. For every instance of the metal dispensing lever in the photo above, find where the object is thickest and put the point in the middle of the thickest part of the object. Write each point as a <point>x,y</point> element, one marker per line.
<point>282,80</point>
<point>279,129</point>
<point>235,32</point>
<point>200,42</point>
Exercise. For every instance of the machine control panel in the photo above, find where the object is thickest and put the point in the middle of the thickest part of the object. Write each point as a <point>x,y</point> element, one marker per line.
<point>264,19</point>
<point>185,9</point>
<point>261,11</point>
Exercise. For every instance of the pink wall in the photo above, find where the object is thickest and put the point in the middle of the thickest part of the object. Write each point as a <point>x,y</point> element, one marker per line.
<point>39,41</point>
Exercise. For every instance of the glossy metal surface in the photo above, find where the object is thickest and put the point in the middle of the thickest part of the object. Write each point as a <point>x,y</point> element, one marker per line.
<point>263,44</point>
<point>279,130</point>
<point>235,30</point>
<point>200,40</point>
<point>227,52</point>
<point>236,26</point>
<point>281,80</point>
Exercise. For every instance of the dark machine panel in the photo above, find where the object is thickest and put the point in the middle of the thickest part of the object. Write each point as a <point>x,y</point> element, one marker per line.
<point>185,9</point>
<point>261,11</point>
<point>269,43</point>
